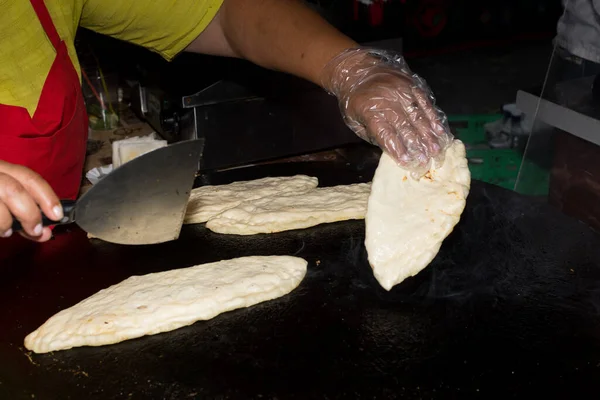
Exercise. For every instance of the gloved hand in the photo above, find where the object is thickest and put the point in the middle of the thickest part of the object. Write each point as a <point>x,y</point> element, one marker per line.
<point>386,104</point>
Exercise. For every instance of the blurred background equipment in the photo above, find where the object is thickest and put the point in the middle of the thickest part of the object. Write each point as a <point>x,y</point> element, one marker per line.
<point>474,54</point>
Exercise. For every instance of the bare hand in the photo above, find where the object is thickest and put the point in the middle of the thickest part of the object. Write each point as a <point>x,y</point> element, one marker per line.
<point>22,194</point>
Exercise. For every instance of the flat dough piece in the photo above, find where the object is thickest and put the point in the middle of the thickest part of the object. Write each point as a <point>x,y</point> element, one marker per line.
<point>408,220</point>
<point>208,201</point>
<point>281,213</point>
<point>164,301</point>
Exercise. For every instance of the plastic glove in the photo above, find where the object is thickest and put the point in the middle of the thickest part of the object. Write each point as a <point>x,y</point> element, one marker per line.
<point>386,104</point>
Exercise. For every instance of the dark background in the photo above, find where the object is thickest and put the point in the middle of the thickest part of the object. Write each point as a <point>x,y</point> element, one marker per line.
<point>457,45</point>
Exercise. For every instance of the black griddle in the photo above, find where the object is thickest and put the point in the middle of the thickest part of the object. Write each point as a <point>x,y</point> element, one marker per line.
<point>510,308</point>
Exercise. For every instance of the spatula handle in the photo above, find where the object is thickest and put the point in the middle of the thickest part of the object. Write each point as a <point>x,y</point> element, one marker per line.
<point>68,207</point>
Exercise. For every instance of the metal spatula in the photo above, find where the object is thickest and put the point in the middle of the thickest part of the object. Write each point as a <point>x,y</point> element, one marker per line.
<point>142,201</point>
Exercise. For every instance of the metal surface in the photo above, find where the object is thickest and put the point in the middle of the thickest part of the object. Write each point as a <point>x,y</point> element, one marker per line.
<point>284,125</point>
<point>286,115</point>
<point>144,200</point>
<point>219,92</point>
<point>580,118</point>
<point>508,309</point>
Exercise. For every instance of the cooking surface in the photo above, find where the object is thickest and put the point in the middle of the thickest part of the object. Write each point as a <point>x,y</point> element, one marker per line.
<point>509,308</point>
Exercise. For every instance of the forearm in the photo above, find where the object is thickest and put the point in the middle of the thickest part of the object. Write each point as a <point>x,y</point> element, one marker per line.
<point>283,35</point>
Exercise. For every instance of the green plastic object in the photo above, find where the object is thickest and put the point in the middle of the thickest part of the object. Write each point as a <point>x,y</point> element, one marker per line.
<point>496,166</point>
<point>470,128</point>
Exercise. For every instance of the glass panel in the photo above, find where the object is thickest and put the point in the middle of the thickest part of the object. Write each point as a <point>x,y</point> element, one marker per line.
<point>560,113</point>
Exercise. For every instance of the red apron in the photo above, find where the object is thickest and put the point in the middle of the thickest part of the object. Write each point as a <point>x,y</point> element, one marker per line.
<point>53,142</point>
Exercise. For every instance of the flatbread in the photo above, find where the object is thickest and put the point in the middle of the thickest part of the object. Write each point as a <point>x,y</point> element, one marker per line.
<point>407,220</point>
<point>207,201</point>
<point>164,301</point>
<point>281,213</point>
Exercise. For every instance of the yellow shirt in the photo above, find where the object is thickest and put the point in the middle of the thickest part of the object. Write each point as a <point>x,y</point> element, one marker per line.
<point>26,55</point>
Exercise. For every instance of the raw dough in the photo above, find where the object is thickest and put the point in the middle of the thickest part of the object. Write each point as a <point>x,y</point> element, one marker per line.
<point>408,220</point>
<point>294,211</point>
<point>207,201</point>
<point>164,301</point>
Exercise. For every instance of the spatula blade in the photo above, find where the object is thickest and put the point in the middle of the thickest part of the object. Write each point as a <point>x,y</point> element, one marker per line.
<point>143,201</point>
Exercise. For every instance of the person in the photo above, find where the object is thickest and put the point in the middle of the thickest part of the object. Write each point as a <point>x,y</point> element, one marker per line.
<point>577,41</point>
<point>43,125</point>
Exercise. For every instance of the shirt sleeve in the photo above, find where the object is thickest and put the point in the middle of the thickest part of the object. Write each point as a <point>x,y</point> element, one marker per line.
<point>164,26</point>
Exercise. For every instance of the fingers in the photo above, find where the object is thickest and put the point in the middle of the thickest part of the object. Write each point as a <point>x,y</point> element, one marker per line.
<point>398,114</point>
<point>436,123</point>
<point>425,104</point>
<point>417,113</point>
<point>22,194</point>
<point>44,237</point>
<point>37,187</point>
<point>387,139</point>
<point>414,125</point>
<point>21,205</point>
<point>392,131</point>
<point>6,220</point>
<point>411,129</point>
<point>419,126</point>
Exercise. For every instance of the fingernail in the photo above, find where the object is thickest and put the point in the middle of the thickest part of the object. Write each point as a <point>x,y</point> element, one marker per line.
<point>8,233</point>
<point>58,213</point>
<point>37,231</point>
